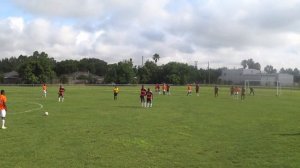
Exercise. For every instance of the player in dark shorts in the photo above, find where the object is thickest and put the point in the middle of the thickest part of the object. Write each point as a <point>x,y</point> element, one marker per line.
<point>243,93</point>
<point>216,91</point>
<point>197,89</point>
<point>168,89</point>
<point>251,91</point>
<point>231,91</point>
<point>149,96</point>
<point>142,96</point>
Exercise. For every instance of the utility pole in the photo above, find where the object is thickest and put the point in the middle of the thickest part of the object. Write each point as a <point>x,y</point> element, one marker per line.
<point>142,61</point>
<point>208,73</point>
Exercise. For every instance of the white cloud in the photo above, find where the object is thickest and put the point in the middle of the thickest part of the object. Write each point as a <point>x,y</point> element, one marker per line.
<point>222,32</point>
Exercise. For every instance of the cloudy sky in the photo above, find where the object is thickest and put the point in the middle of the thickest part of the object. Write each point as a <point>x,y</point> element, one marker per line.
<point>223,32</point>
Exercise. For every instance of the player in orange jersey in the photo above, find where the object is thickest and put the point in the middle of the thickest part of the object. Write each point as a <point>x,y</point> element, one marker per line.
<point>3,108</point>
<point>45,90</point>
<point>164,87</point>
<point>189,90</point>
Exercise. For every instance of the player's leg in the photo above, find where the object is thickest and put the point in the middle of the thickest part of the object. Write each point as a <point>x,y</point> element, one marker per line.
<point>3,115</point>
<point>142,101</point>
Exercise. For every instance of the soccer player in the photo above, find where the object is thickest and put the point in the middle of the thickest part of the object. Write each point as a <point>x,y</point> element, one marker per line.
<point>251,91</point>
<point>189,90</point>
<point>61,93</point>
<point>197,89</point>
<point>149,95</point>
<point>168,89</point>
<point>164,87</point>
<point>243,93</point>
<point>216,91</point>
<point>157,88</point>
<point>236,92</point>
<point>3,108</point>
<point>231,91</point>
<point>116,91</point>
<point>45,90</point>
<point>142,96</point>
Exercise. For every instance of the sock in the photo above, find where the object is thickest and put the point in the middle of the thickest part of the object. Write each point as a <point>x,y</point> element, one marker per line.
<point>62,100</point>
<point>3,123</point>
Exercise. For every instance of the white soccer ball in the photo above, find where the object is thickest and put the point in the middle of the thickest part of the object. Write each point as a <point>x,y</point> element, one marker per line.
<point>46,113</point>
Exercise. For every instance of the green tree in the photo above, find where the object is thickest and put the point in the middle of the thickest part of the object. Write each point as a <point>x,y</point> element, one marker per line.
<point>37,68</point>
<point>111,75</point>
<point>155,57</point>
<point>270,69</point>
<point>250,64</point>
<point>93,65</point>
<point>66,67</point>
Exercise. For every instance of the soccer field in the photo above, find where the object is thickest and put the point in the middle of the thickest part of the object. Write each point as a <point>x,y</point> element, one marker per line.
<point>90,129</point>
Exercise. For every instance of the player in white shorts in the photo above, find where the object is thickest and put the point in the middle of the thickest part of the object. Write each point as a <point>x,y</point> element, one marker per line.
<point>3,108</point>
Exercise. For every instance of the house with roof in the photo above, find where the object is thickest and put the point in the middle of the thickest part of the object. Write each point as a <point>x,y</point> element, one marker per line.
<point>11,78</point>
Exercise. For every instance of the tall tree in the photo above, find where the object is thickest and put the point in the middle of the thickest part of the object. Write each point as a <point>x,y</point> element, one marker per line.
<point>270,69</point>
<point>38,68</point>
<point>155,57</point>
<point>250,64</point>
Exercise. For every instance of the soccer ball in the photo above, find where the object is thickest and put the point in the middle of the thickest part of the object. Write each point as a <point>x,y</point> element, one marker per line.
<point>46,113</point>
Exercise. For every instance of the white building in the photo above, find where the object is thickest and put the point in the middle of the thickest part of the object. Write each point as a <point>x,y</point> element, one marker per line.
<point>239,76</point>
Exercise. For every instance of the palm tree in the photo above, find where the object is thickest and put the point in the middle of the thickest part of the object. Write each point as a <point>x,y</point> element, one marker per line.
<point>155,57</point>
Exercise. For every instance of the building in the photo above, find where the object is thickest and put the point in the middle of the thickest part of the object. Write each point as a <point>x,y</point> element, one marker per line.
<point>239,76</point>
<point>11,78</point>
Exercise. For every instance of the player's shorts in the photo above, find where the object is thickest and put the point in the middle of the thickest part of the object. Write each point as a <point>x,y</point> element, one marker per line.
<point>3,113</point>
<point>60,94</point>
<point>149,100</point>
<point>142,99</point>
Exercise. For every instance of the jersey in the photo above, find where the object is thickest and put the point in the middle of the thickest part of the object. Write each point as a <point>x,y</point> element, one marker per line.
<point>61,91</point>
<point>44,87</point>
<point>143,92</point>
<point>197,88</point>
<point>2,102</point>
<point>149,95</point>
<point>116,90</point>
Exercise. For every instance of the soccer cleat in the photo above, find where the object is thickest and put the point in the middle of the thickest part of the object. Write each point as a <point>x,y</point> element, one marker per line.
<point>4,127</point>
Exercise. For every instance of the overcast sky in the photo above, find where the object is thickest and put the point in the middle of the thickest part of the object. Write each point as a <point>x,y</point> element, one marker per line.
<point>223,32</point>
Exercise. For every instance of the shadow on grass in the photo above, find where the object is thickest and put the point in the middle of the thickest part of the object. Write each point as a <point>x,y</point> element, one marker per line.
<point>290,134</point>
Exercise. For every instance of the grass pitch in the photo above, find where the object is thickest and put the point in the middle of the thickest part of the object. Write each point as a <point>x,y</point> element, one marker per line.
<point>90,129</point>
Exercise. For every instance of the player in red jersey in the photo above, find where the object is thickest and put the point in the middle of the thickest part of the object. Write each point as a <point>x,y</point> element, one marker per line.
<point>61,93</point>
<point>142,96</point>
<point>149,95</point>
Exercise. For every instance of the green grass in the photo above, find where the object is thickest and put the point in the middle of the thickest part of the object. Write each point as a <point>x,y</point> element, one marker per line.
<point>90,129</point>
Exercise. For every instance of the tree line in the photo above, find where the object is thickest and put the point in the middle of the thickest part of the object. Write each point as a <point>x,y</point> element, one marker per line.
<point>40,68</point>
